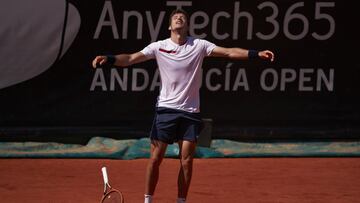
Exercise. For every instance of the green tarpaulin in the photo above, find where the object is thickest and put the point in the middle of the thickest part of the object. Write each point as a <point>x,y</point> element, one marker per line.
<point>99,147</point>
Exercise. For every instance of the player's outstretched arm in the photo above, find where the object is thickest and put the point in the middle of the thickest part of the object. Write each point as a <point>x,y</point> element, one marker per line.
<point>242,54</point>
<point>119,60</point>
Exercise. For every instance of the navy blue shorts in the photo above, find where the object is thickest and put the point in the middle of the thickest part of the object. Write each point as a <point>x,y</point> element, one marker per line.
<point>171,125</point>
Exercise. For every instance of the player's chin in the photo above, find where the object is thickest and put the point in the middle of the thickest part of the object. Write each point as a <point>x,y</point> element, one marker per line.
<point>179,26</point>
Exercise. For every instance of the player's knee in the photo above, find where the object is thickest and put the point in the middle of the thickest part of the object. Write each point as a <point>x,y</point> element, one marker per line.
<point>155,161</point>
<point>186,163</point>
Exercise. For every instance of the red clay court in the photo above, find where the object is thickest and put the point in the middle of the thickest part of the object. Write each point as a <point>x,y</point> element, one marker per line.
<point>226,180</point>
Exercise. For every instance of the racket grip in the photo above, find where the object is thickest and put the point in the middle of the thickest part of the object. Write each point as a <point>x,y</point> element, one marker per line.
<point>105,176</point>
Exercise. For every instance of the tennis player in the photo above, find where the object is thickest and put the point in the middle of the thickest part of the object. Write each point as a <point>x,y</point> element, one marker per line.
<point>177,117</point>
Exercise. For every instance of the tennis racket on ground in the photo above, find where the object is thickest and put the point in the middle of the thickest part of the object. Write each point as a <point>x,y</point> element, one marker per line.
<point>111,195</point>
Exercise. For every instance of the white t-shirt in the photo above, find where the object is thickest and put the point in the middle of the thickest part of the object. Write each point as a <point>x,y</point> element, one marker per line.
<point>180,71</point>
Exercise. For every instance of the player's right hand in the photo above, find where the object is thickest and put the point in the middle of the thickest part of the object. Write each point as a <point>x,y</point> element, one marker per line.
<point>98,61</point>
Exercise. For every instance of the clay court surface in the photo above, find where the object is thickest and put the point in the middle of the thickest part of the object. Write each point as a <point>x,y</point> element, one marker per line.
<point>214,180</point>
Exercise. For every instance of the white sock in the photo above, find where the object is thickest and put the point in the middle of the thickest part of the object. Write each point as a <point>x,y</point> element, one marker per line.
<point>180,200</point>
<point>148,199</point>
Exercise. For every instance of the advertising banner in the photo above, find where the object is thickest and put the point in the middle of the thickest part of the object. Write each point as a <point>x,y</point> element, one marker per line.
<point>46,78</point>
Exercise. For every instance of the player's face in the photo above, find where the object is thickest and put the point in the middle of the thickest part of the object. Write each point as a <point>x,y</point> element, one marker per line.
<point>178,21</point>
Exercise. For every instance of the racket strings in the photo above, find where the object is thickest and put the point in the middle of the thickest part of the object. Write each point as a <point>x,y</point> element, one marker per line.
<point>113,196</point>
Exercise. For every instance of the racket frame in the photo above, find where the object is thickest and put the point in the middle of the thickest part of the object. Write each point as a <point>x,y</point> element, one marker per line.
<point>107,187</point>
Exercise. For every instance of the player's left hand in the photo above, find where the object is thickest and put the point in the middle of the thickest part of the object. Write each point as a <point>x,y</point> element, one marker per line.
<point>266,55</point>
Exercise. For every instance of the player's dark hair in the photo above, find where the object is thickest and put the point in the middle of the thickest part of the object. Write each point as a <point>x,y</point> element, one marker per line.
<point>178,11</point>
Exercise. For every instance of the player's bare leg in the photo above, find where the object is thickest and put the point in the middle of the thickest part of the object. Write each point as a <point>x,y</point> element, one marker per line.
<point>187,150</point>
<point>157,151</point>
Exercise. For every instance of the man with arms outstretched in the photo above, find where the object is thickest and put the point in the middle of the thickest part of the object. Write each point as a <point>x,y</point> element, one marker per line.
<point>177,117</point>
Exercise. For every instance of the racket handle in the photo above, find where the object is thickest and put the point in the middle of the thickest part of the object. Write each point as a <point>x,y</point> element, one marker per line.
<point>105,176</point>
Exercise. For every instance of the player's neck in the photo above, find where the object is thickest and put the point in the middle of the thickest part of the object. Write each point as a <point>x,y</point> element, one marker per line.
<point>178,37</point>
